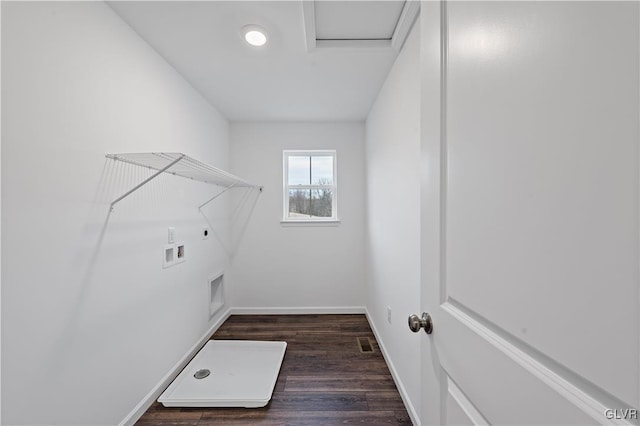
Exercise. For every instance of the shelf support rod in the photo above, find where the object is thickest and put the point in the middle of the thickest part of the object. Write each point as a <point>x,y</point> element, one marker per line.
<point>215,196</point>
<point>144,182</point>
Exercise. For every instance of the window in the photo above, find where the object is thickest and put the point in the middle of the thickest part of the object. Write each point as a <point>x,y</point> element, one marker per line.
<point>310,186</point>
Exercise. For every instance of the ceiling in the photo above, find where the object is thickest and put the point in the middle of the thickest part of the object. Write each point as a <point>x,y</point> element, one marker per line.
<point>293,77</point>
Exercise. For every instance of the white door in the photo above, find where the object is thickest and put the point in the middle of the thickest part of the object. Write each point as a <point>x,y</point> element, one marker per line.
<point>530,212</point>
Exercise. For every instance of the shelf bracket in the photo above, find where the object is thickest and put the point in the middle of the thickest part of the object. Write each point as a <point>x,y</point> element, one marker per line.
<point>215,196</point>
<point>144,182</point>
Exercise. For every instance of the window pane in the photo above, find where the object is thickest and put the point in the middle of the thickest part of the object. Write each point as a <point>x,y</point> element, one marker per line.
<point>321,203</point>
<point>322,170</point>
<point>304,170</point>
<point>299,170</point>
<point>310,203</point>
<point>299,201</point>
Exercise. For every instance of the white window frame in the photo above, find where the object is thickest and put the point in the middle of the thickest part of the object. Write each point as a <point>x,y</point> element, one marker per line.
<point>286,187</point>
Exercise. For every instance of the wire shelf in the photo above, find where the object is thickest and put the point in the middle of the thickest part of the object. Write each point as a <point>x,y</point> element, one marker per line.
<point>186,167</point>
<point>179,164</point>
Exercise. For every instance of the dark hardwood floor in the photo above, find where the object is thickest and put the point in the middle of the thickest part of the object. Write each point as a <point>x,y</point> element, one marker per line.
<point>325,379</point>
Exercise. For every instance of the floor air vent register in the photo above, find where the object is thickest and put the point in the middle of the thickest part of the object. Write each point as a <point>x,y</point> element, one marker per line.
<point>364,344</point>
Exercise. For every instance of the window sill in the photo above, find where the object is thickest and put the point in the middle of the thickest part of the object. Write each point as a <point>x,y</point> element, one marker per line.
<point>334,222</point>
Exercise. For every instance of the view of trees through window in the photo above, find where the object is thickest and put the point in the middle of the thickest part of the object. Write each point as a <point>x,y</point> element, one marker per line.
<point>311,202</point>
<point>310,186</point>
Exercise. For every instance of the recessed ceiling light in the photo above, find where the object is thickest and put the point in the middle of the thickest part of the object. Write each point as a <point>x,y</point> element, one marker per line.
<point>255,35</point>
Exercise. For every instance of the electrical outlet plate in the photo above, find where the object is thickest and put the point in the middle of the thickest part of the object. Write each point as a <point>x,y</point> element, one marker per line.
<point>389,314</point>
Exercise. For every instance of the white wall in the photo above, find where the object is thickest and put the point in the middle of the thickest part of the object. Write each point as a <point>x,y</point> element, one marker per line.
<point>90,320</point>
<point>278,266</point>
<point>393,208</point>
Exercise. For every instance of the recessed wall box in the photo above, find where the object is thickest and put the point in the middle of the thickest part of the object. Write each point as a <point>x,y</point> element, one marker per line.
<point>180,253</point>
<point>216,294</point>
<point>168,256</point>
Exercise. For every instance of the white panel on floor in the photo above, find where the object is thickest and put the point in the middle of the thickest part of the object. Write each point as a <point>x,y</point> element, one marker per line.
<point>242,374</point>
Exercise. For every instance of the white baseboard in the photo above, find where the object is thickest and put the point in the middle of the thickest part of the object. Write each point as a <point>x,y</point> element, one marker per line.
<point>299,311</point>
<point>148,400</point>
<point>415,419</point>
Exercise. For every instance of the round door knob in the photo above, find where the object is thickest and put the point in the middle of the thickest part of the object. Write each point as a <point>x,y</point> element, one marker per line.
<point>416,323</point>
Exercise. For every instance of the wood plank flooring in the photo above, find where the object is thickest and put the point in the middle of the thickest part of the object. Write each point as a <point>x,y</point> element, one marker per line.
<point>325,379</point>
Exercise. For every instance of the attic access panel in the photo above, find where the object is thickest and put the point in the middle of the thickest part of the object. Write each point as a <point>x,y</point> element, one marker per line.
<point>357,20</point>
<point>358,24</point>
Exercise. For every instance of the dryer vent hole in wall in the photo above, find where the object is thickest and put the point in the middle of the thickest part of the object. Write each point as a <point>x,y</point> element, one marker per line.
<point>364,344</point>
